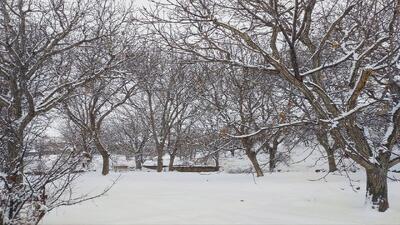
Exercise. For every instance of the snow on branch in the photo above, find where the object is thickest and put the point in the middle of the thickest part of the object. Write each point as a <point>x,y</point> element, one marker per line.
<point>344,115</point>
<point>323,67</point>
<point>283,125</point>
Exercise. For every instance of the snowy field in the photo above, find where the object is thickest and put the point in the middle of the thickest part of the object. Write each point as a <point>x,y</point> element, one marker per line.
<point>221,198</point>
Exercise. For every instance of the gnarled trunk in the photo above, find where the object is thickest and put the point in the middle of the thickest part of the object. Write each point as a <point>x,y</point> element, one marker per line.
<point>377,190</point>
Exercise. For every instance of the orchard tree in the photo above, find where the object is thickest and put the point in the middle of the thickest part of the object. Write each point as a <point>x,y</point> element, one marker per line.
<point>245,101</point>
<point>165,96</point>
<point>127,132</point>
<point>342,56</point>
<point>39,43</point>
<point>95,101</point>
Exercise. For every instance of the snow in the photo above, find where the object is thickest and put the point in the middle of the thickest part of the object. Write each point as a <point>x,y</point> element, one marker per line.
<point>119,160</point>
<point>236,165</point>
<point>177,161</point>
<point>298,195</point>
<point>221,198</point>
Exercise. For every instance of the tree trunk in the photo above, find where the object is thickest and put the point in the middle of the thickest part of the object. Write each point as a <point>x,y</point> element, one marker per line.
<point>159,163</point>
<point>216,159</point>
<point>160,159</point>
<point>138,162</point>
<point>171,162</point>
<point>324,142</point>
<point>1,218</point>
<point>331,160</point>
<point>173,156</point>
<point>253,158</point>
<point>272,158</point>
<point>377,190</point>
<point>106,164</point>
<point>104,154</point>
<point>14,167</point>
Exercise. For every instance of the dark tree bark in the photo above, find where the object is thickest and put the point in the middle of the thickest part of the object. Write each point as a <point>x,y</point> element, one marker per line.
<point>160,158</point>
<point>331,160</point>
<point>104,155</point>
<point>15,148</point>
<point>106,164</point>
<point>172,159</point>
<point>216,159</point>
<point>172,155</point>
<point>272,148</point>
<point>272,158</point>
<point>377,190</point>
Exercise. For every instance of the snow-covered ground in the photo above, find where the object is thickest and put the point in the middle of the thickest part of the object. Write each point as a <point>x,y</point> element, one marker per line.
<point>222,198</point>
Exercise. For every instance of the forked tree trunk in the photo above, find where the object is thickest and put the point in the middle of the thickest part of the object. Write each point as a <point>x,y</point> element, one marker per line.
<point>253,158</point>
<point>104,155</point>
<point>377,190</point>
<point>173,156</point>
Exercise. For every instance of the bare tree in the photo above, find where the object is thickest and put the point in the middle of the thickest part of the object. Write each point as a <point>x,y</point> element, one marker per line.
<point>89,109</point>
<point>128,133</point>
<point>39,41</point>
<point>165,97</point>
<point>244,100</point>
<point>336,54</point>
<point>98,99</point>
